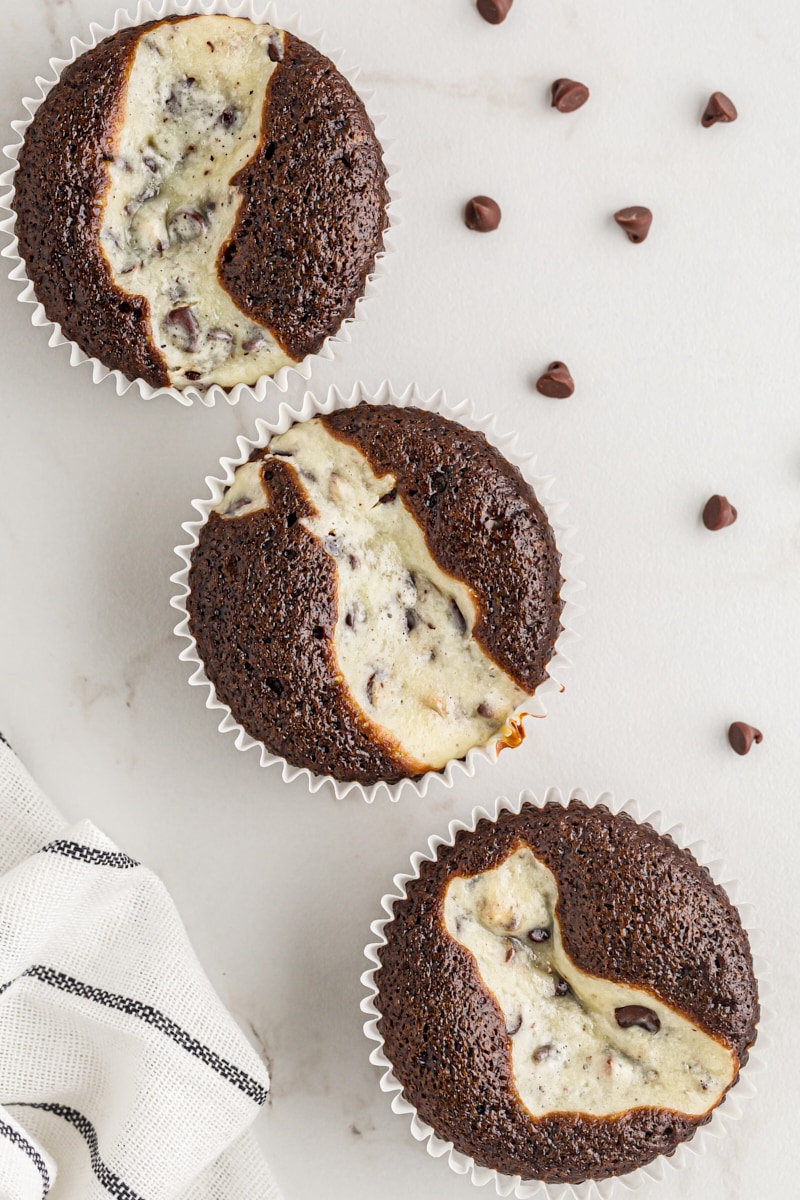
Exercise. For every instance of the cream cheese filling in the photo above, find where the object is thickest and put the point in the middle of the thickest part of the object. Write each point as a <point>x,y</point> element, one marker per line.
<point>246,494</point>
<point>569,1052</point>
<point>403,640</point>
<point>191,120</point>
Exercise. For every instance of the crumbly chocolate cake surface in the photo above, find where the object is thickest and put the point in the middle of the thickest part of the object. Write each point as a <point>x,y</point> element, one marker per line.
<point>633,908</point>
<point>60,184</point>
<point>314,214</point>
<point>263,590</point>
<point>306,234</point>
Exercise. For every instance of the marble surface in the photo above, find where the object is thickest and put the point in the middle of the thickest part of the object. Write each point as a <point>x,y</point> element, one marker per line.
<point>684,352</point>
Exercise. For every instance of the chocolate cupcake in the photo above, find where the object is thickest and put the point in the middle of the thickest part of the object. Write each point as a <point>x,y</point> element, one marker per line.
<point>200,201</point>
<point>376,592</point>
<point>563,993</point>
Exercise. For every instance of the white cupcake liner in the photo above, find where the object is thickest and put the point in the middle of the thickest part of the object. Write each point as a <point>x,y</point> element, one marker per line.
<point>261,12</point>
<point>463,413</point>
<point>607,1189</point>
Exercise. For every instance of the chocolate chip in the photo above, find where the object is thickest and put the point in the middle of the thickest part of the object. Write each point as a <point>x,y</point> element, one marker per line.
<point>458,618</point>
<point>220,335</point>
<point>515,1026</point>
<point>229,117</point>
<point>539,935</point>
<point>562,988</point>
<point>388,497</point>
<point>510,951</point>
<point>193,375</point>
<point>719,108</point>
<point>348,620</point>
<point>494,11</point>
<point>637,1014</point>
<point>146,194</point>
<point>485,712</point>
<point>174,101</point>
<point>542,1053</point>
<point>411,620</point>
<point>183,328</point>
<point>568,95</point>
<point>718,513</point>
<point>482,214</point>
<point>636,222</point>
<point>275,47</point>
<point>556,382</point>
<point>256,341</point>
<point>741,736</point>
<point>186,225</point>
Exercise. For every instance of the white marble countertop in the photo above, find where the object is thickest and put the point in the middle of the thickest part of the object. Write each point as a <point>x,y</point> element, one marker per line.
<point>684,351</point>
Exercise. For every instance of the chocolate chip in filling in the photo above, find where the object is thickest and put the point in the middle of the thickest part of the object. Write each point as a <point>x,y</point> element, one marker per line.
<point>586,1044</point>
<point>191,121</point>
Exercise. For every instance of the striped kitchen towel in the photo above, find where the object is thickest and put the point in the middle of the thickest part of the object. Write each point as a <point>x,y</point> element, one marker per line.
<point>121,1073</point>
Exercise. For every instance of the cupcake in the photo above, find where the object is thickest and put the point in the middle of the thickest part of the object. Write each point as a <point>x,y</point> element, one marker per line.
<point>564,993</point>
<point>377,592</point>
<point>200,201</point>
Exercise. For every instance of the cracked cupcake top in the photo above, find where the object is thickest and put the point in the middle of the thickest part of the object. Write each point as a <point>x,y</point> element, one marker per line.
<point>355,603</point>
<point>200,201</point>
<point>565,993</point>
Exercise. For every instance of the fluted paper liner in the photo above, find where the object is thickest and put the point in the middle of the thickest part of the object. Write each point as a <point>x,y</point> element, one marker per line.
<point>662,1167</point>
<point>261,12</point>
<point>464,413</point>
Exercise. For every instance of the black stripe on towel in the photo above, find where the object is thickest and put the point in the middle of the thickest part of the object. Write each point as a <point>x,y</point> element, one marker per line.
<point>151,1016</point>
<point>98,858</point>
<point>16,1138</point>
<point>111,1182</point>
